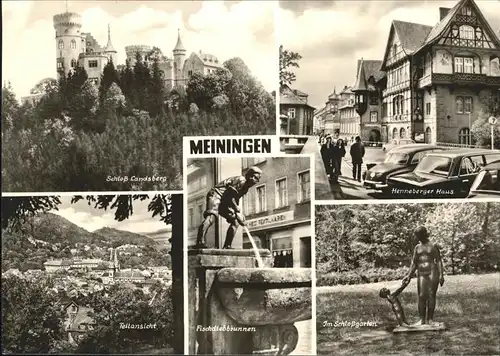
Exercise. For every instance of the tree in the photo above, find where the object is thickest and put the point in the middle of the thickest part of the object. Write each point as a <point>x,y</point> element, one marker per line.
<point>108,77</point>
<point>481,131</point>
<point>10,107</point>
<point>168,208</point>
<point>287,60</point>
<point>156,89</point>
<point>28,326</point>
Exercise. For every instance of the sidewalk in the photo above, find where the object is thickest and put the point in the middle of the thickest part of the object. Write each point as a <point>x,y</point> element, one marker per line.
<point>322,187</point>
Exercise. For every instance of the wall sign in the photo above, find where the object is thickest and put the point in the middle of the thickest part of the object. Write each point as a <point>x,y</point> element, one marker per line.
<point>270,220</point>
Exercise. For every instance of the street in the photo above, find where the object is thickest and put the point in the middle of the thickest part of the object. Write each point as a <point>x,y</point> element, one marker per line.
<point>347,187</point>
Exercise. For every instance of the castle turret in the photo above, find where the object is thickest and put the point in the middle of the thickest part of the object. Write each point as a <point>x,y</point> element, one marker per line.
<point>360,89</point>
<point>179,57</point>
<point>110,49</point>
<point>69,41</point>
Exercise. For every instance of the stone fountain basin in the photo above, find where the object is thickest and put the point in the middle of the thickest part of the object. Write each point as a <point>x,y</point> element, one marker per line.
<point>265,296</point>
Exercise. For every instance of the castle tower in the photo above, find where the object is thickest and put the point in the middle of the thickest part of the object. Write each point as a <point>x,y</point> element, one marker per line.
<point>179,57</point>
<point>69,41</point>
<point>116,263</point>
<point>110,50</point>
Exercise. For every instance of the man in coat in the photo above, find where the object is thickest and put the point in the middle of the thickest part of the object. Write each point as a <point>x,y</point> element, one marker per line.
<point>357,154</point>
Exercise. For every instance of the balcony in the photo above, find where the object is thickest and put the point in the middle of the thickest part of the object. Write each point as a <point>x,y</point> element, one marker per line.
<point>458,78</point>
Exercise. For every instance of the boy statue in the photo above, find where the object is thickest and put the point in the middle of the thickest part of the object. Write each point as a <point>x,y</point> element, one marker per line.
<point>223,200</point>
<point>397,308</point>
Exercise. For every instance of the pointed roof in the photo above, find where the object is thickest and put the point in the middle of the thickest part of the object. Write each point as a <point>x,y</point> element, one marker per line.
<point>410,35</point>
<point>360,84</point>
<point>445,23</point>
<point>109,46</point>
<point>179,46</point>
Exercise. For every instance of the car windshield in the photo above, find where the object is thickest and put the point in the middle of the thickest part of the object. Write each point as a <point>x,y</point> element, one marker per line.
<point>435,165</point>
<point>396,158</point>
<point>487,180</point>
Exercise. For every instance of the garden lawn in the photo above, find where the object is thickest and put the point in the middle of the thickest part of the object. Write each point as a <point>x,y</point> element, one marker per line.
<point>469,305</point>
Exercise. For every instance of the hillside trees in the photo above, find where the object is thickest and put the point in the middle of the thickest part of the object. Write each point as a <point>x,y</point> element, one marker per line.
<point>367,240</point>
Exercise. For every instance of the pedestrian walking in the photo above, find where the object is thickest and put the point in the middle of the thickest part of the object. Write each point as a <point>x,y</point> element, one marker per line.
<point>338,155</point>
<point>357,152</point>
<point>327,155</point>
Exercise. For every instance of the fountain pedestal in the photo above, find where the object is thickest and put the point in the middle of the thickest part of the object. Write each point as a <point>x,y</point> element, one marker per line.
<point>236,308</point>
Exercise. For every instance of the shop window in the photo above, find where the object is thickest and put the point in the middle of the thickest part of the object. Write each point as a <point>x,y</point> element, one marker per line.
<point>282,249</point>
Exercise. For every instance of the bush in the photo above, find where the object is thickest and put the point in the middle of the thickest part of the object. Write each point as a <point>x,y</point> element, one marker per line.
<point>371,275</point>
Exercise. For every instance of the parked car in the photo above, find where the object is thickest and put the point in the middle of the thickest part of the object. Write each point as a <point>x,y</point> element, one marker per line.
<point>400,160</point>
<point>487,182</point>
<point>396,142</point>
<point>445,174</point>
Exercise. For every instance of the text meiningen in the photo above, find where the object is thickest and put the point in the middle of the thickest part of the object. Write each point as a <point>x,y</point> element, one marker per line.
<point>230,145</point>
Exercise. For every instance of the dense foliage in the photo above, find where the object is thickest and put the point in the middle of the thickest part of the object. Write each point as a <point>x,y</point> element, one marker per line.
<point>370,243</point>
<point>80,137</point>
<point>167,208</point>
<point>38,327</point>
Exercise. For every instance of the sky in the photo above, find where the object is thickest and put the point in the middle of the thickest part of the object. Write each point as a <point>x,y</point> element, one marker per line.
<point>90,218</point>
<point>225,29</point>
<point>332,35</point>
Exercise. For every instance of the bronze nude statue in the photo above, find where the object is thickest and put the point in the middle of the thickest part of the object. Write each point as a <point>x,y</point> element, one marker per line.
<point>223,200</point>
<point>397,308</point>
<point>429,266</point>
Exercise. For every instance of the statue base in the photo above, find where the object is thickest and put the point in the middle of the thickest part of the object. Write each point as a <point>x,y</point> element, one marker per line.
<point>416,328</point>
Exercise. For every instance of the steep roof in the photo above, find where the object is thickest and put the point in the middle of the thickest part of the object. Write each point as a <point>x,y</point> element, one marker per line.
<point>291,96</point>
<point>179,46</point>
<point>411,35</point>
<point>209,59</point>
<point>109,46</point>
<point>360,84</point>
<point>445,23</point>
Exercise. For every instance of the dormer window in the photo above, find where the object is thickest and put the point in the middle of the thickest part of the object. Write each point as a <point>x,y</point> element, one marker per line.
<point>394,49</point>
<point>467,11</point>
<point>466,32</point>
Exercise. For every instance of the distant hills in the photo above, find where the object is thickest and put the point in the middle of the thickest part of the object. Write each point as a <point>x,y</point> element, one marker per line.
<point>50,236</point>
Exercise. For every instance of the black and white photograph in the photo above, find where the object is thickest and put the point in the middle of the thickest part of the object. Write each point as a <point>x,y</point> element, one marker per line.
<point>97,95</point>
<point>397,99</point>
<point>408,279</point>
<point>95,274</point>
<point>250,244</point>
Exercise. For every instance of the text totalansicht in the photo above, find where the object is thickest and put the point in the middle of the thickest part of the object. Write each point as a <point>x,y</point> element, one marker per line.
<point>230,145</point>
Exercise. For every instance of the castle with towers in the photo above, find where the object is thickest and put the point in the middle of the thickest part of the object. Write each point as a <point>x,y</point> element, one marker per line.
<point>74,47</point>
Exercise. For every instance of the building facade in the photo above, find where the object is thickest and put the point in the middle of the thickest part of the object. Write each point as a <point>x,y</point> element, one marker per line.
<point>432,83</point>
<point>297,116</point>
<point>277,209</point>
<point>350,122</point>
<point>328,117</point>
<point>370,81</point>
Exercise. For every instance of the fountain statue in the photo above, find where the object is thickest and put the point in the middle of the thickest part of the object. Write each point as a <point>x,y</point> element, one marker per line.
<point>223,199</point>
<point>428,264</point>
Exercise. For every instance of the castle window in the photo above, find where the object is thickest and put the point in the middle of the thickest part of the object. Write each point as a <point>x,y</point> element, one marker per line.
<point>190,72</point>
<point>427,108</point>
<point>466,32</point>
<point>61,44</point>
<point>479,33</point>
<point>464,104</point>
<point>73,44</point>
<point>59,65</point>
<point>467,11</point>
<point>73,63</point>
<point>464,65</point>
<point>373,116</point>
<point>464,136</point>
<point>93,64</point>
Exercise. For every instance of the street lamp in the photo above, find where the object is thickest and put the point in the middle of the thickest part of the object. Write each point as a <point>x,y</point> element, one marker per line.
<point>493,121</point>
